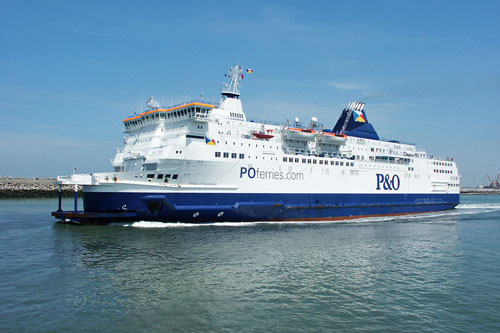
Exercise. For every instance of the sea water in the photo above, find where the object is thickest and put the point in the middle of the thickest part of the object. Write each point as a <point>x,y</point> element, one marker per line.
<point>433,272</point>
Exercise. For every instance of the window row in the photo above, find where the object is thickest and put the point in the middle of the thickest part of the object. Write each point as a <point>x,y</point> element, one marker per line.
<point>442,164</point>
<point>442,171</point>
<point>162,176</point>
<point>226,155</point>
<point>145,119</point>
<point>315,161</point>
<point>236,115</point>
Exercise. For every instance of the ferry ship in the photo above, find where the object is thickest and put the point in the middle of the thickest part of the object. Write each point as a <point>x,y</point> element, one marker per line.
<point>205,162</point>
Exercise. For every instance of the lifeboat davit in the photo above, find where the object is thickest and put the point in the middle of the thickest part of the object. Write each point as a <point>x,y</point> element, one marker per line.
<point>332,138</point>
<point>300,134</point>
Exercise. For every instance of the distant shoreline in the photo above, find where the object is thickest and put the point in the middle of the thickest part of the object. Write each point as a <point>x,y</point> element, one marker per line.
<point>29,188</point>
<point>479,191</point>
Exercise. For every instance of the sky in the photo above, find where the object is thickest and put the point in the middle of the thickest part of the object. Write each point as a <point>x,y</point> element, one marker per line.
<point>71,71</point>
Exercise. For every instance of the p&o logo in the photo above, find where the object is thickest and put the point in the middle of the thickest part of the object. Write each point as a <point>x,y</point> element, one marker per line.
<point>387,182</point>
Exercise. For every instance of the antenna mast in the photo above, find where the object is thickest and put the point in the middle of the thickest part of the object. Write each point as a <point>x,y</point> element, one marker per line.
<point>232,89</point>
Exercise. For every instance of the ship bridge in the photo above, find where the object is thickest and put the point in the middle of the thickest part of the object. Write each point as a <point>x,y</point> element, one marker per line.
<point>197,110</point>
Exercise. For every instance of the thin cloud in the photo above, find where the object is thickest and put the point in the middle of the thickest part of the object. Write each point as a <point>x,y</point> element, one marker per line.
<point>346,85</point>
<point>373,94</point>
<point>366,92</point>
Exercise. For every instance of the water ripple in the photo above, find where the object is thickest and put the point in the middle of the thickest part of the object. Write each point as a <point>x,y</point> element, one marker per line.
<point>430,272</point>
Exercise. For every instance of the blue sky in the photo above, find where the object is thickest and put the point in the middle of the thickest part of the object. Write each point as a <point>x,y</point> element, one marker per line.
<point>70,71</point>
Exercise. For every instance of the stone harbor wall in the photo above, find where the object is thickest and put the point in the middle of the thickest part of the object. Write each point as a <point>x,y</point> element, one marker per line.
<point>479,190</point>
<point>11,187</point>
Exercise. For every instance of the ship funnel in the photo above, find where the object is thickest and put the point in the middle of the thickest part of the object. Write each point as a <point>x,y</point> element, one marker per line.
<point>353,122</point>
<point>358,106</point>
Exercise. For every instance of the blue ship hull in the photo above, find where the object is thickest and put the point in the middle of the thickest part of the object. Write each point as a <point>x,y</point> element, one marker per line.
<point>101,207</point>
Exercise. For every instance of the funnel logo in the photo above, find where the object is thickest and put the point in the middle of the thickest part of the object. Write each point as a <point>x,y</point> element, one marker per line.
<point>210,142</point>
<point>359,117</point>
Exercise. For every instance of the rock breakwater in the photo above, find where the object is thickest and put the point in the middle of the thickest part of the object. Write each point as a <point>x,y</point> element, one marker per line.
<point>11,187</point>
<point>479,190</point>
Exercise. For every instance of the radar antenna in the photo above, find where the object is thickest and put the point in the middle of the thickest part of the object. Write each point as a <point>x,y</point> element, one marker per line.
<point>232,89</point>
<point>153,104</point>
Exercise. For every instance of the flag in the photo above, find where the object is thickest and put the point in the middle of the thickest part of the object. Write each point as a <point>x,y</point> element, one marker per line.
<point>249,70</point>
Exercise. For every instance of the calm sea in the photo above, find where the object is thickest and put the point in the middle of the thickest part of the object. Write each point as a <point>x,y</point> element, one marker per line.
<point>434,272</point>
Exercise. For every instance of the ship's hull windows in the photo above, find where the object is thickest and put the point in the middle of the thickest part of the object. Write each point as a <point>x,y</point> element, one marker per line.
<point>150,166</point>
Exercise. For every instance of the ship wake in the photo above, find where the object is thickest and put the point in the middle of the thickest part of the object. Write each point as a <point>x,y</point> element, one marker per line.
<point>462,210</point>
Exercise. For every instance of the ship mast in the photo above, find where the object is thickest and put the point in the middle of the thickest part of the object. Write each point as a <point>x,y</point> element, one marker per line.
<point>232,89</point>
